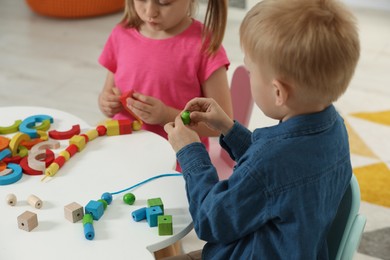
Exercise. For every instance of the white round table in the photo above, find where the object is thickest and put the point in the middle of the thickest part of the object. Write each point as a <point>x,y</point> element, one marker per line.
<point>107,164</point>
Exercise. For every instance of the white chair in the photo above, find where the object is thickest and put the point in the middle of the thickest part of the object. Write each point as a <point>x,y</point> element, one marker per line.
<point>242,102</point>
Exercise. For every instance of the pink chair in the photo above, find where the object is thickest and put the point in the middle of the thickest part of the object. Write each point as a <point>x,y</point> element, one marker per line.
<point>242,110</point>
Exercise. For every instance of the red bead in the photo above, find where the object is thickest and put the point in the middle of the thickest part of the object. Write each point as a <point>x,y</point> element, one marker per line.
<point>102,130</point>
<point>72,149</point>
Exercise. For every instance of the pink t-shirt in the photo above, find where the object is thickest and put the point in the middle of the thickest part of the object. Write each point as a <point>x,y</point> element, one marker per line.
<point>171,69</point>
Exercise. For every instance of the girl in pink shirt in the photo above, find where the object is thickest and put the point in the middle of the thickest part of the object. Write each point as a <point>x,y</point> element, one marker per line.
<point>166,58</point>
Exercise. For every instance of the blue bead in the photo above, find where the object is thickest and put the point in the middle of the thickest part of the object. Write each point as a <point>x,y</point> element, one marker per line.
<point>151,215</point>
<point>107,197</point>
<point>89,231</point>
<point>95,208</point>
<point>139,214</point>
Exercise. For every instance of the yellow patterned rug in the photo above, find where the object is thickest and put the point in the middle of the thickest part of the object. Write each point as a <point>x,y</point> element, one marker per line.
<point>372,149</point>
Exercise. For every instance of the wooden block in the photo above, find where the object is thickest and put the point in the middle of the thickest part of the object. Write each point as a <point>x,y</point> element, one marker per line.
<point>125,127</point>
<point>156,202</point>
<point>92,134</point>
<point>95,208</point>
<point>165,226</point>
<point>27,221</point>
<point>152,214</point>
<point>79,141</point>
<point>112,127</point>
<point>74,212</point>
<point>15,141</point>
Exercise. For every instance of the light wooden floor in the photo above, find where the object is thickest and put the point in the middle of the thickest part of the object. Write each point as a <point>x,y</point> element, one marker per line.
<point>53,63</point>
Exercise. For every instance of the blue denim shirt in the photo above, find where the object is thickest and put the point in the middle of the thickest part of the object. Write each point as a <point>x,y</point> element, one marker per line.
<point>283,194</point>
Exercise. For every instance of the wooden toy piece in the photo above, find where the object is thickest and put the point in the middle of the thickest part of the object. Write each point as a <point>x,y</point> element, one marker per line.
<point>112,127</point>
<point>14,159</point>
<point>12,177</point>
<point>151,215</point>
<point>136,125</point>
<point>44,126</point>
<point>51,170</point>
<point>185,117</point>
<point>139,214</point>
<point>5,172</point>
<point>5,153</point>
<point>129,198</point>
<point>102,130</point>
<point>37,164</point>
<point>123,100</point>
<point>65,154</point>
<point>34,201</point>
<point>92,134</point>
<point>4,142</point>
<point>42,135</point>
<point>22,151</point>
<point>11,199</point>
<point>63,135</point>
<point>27,221</point>
<point>10,129</point>
<point>79,141</point>
<point>85,137</point>
<point>3,166</point>
<point>95,208</point>
<point>72,149</point>
<point>107,197</point>
<point>30,143</point>
<point>89,231</point>
<point>125,127</point>
<point>165,225</point>
<point>156,202</point>
<point>74,212</point>
<point>50,144</point>
<point>15,141</point>
<point>39,160</point>
<point>28,125</point>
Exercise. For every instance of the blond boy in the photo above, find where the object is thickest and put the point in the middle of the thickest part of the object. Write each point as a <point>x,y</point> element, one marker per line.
<point>289,179</point>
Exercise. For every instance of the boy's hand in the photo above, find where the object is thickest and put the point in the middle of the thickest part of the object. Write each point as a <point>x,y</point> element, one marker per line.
<point>109,102</point>
<point>149,109</point>
<point>180,135</point>
<point>207,110</point>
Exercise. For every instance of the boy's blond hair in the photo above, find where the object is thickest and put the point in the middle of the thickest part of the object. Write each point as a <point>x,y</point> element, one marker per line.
<point>310,44</point>
<point>214,22</point>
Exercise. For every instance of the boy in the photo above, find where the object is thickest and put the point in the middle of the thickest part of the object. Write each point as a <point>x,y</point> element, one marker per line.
<point>289,179</point>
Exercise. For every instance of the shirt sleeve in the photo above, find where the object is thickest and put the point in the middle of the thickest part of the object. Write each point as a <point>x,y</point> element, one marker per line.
<point>210,63</point>
<point>222,211</point>
<point>108,57</point>
<point>237,141</point>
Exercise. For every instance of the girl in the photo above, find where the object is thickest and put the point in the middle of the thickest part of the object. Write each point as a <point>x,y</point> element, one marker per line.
<point>166,58</point>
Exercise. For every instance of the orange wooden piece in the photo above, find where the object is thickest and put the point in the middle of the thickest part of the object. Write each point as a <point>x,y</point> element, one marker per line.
<point>4,142</point>
<point>30,143</point>
<point>3,166</point>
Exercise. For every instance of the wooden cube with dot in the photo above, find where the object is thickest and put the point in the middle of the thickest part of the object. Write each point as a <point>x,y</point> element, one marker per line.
<point>165,226</point>
<point>27,221</point>
<point>74,212</point>
<point>155,202</point>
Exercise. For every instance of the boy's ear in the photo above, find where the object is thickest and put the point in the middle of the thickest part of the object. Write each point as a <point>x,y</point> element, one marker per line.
<point>281,92</point>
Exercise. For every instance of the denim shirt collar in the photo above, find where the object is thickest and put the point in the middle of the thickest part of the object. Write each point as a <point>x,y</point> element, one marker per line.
<point>300,125</point>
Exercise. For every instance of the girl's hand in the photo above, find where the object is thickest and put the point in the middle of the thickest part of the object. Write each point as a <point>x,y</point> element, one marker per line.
<point>206,110</point>
<point>149,109</point>
<point>109,101</point>
<point>180,135</point>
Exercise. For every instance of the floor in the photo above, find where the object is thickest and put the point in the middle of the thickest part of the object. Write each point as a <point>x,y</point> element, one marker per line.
<point>53,63</point>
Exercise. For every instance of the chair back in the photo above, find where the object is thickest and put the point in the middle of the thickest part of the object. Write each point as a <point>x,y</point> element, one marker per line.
<point>347,228</point>
<point>242,102</point>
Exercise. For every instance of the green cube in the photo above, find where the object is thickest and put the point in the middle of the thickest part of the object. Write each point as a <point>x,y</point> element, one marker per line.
<point>156,202</point>
<point>165,227</point>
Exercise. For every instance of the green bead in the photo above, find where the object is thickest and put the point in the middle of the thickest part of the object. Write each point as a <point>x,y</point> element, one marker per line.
<point>129,198</point>
<point>105,203</point>
<point>87,219</point>
<point>185,117</point>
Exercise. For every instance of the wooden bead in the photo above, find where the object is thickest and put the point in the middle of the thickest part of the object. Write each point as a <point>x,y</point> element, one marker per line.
<point>27,221</point>
<point>11,199</point>
<point>34,201</point>
<point>185,117</point>
<point>73,212</point>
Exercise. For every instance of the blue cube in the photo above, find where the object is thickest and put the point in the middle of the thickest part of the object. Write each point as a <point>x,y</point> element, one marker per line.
<point>151,215</point>
<point>95,208</point>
